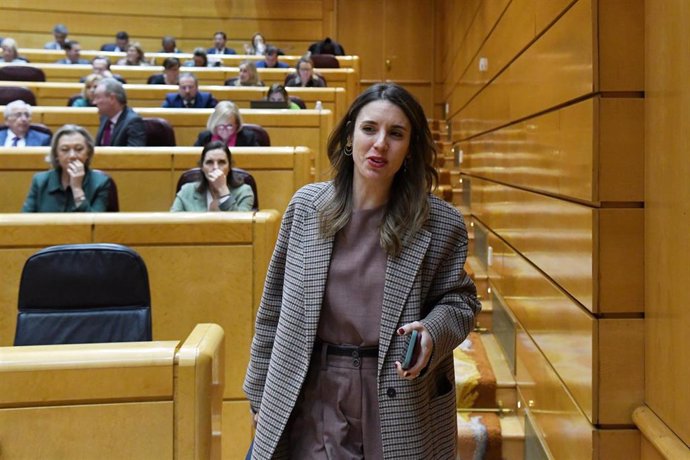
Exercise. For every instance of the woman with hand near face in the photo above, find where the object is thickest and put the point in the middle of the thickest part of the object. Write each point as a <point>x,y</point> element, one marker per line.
<point>218,189</point>
<point>360,262</point>
<point>225,124</point>
<point>70,186</point>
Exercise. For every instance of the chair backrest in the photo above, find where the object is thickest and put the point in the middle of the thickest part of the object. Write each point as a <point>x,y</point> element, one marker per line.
<point>299,101</point>
<point>194,175</point>
<point>159,133</point>
<point>13,93</point>
<point>83,293</point>
<point>325,61</point>
<point>260,133</point>
<point>113,199</point>
<point>21,73</point>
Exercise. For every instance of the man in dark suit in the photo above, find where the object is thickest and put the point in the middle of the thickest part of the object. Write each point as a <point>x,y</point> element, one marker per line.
<point>121,43</point>
<point>189,95</point>
<point>120,125</point>
<point>170,75</point>
<point>18,132</point>
<point>271,60</point>
<point>73,54</point>
<point>219,40</point>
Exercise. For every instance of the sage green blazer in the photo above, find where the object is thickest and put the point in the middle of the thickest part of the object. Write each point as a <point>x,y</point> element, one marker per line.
<point>188,199</point>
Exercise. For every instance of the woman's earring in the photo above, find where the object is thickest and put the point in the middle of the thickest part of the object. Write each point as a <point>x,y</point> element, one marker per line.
<point>347,150</point>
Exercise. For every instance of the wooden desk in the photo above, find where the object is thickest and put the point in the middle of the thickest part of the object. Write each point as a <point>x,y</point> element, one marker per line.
<point>135,400</point>
<point>309,128</point>
<point>39,55</point>
<point>202,267</point>
<point>146,176</point>
<point>142,95</point>
<point>336,78</point>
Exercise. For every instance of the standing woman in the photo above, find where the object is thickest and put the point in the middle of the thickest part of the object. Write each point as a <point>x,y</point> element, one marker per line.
<point>70,186</point>
<point>360,263</point>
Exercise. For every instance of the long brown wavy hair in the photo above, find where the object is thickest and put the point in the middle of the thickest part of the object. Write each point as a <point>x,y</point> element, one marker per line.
<point>407,209</point>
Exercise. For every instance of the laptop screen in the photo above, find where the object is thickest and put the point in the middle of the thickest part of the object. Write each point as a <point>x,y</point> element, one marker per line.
<point>264,104</point>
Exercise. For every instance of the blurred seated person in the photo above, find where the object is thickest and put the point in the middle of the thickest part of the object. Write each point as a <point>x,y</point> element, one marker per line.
<point>135,56</point>
<point>278,93</point>
<point>219,41</point>
<point>9,52</point>
<point>199,59</point>
<point>257,47</point>
<point>169,45</point>
<point>120,45</point>
<point>87,93</point>
<point>305,75</point>
<point>70,186</point>
<point>248,76</point>
<point>170,75</point>
<point>60,37</point>
<point>327,46</point>
<point>189,96</point>
<point>101,65</point>
<point>219,189</point>
<point>73,54</point>
<point>225,124</point>
<point>271,60</point>
<point>18,132</point>
<point>119,126</point>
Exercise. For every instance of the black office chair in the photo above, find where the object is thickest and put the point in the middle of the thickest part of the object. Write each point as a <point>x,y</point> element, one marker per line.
<point>21,73</point>
<point>259,132</point>
<point>194,175</point>
<point>84,293</point>
<point>13,93</point>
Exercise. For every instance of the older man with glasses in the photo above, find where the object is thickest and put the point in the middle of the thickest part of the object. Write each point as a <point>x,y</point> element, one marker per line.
<point>18,132</point>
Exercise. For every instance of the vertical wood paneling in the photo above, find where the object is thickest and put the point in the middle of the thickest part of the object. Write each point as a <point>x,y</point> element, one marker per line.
<point>667,245</point>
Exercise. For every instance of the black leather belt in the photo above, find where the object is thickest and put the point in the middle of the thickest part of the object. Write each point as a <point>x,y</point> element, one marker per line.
<point>340,350</point>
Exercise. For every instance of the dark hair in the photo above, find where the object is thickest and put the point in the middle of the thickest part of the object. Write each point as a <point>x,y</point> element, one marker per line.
<point>408,208</point>
<point>122,35</point>
<point>270,49</point>
<point>277,88</point>
<point>233,181</point>
<point>171,63</point>
<point>69,44</point>
<point>202,53</point>
<point>225,37</point>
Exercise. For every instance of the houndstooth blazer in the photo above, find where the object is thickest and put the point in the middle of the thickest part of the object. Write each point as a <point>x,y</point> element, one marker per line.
<point>425,282</point>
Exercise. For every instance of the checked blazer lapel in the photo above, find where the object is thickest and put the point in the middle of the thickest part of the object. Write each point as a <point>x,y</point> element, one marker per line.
<point>401,272</point>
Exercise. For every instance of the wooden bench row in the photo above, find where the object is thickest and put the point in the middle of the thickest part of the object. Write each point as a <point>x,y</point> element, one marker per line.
<point>335,78</point>
<point>309,128</point>
<point>142,95</point>
<point>202,268</point>
<point>147,400</point>
<point>146,177</point>
<point>37,55</point>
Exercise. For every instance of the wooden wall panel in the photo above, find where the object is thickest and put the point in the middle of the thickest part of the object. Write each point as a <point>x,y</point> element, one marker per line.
<point>291,25</point>
<point>590,151</point>
<point>579,247</point>
<point>667,246</point>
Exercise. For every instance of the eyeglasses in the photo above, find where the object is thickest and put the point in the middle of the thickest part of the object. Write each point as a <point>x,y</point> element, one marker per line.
<point>226,127</point>
<point>19,115</point>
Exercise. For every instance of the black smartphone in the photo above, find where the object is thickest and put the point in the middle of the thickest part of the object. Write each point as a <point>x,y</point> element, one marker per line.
<point>408,351</point>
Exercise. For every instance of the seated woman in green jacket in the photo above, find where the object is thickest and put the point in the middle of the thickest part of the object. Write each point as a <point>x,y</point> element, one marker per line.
<point>218,189</point>
<point>70,186</point>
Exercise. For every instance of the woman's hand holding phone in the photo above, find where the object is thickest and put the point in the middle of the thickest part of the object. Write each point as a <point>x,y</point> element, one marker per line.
<point>417,352</point>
